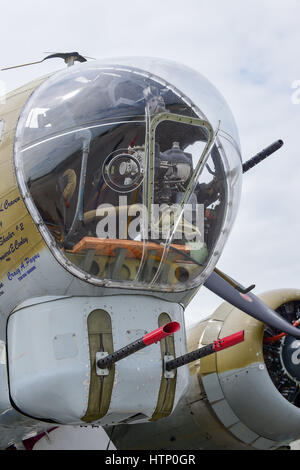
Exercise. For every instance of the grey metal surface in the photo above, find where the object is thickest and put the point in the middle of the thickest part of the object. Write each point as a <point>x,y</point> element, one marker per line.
<point>253,397</point>
<point>295,445</point>
<point>262,444</point>
<point>225,413</point>
<point>48,358</point>
<point>192,425</point>
<point>49,362</point>
<point>212,387</point>
<point>138,377</point>
<point>243,433</point>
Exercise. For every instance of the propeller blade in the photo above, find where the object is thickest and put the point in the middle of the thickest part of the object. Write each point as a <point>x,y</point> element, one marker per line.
<point>250,304</point>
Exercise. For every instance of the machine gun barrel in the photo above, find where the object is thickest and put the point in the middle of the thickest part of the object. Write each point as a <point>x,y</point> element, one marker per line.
<point>259,157</point>
<point>211,348</point>
<point>147,340</point>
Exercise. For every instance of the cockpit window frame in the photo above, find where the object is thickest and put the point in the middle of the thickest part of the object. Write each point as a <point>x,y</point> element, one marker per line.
<point>148,194</point>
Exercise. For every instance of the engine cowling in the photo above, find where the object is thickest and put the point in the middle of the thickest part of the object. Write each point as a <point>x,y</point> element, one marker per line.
<point>254,387</point>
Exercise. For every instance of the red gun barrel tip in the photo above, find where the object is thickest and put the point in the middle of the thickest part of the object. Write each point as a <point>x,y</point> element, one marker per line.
<point>171,327</point>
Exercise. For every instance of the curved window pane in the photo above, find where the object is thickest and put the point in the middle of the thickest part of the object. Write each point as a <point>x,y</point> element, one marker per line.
<point>130,183</point>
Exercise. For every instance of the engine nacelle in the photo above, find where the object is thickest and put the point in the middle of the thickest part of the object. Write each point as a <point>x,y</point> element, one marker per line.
<point>254,387</point>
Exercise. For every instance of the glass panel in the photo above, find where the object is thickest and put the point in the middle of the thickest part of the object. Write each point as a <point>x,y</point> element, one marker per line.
<point>125,176</point>
<point>74,183</point>
<point>190,195</point>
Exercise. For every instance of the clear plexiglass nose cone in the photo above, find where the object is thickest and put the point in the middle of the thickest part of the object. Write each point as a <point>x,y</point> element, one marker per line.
<point>134,167</point>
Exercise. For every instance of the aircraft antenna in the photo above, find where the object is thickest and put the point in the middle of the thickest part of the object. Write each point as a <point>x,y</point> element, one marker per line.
<point>69,57</point>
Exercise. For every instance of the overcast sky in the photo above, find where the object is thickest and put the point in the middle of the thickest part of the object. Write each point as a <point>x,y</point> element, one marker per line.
<point>250,51</point>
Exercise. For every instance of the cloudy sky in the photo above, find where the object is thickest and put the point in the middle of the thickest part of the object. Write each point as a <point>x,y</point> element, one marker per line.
<point>250,50</point>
